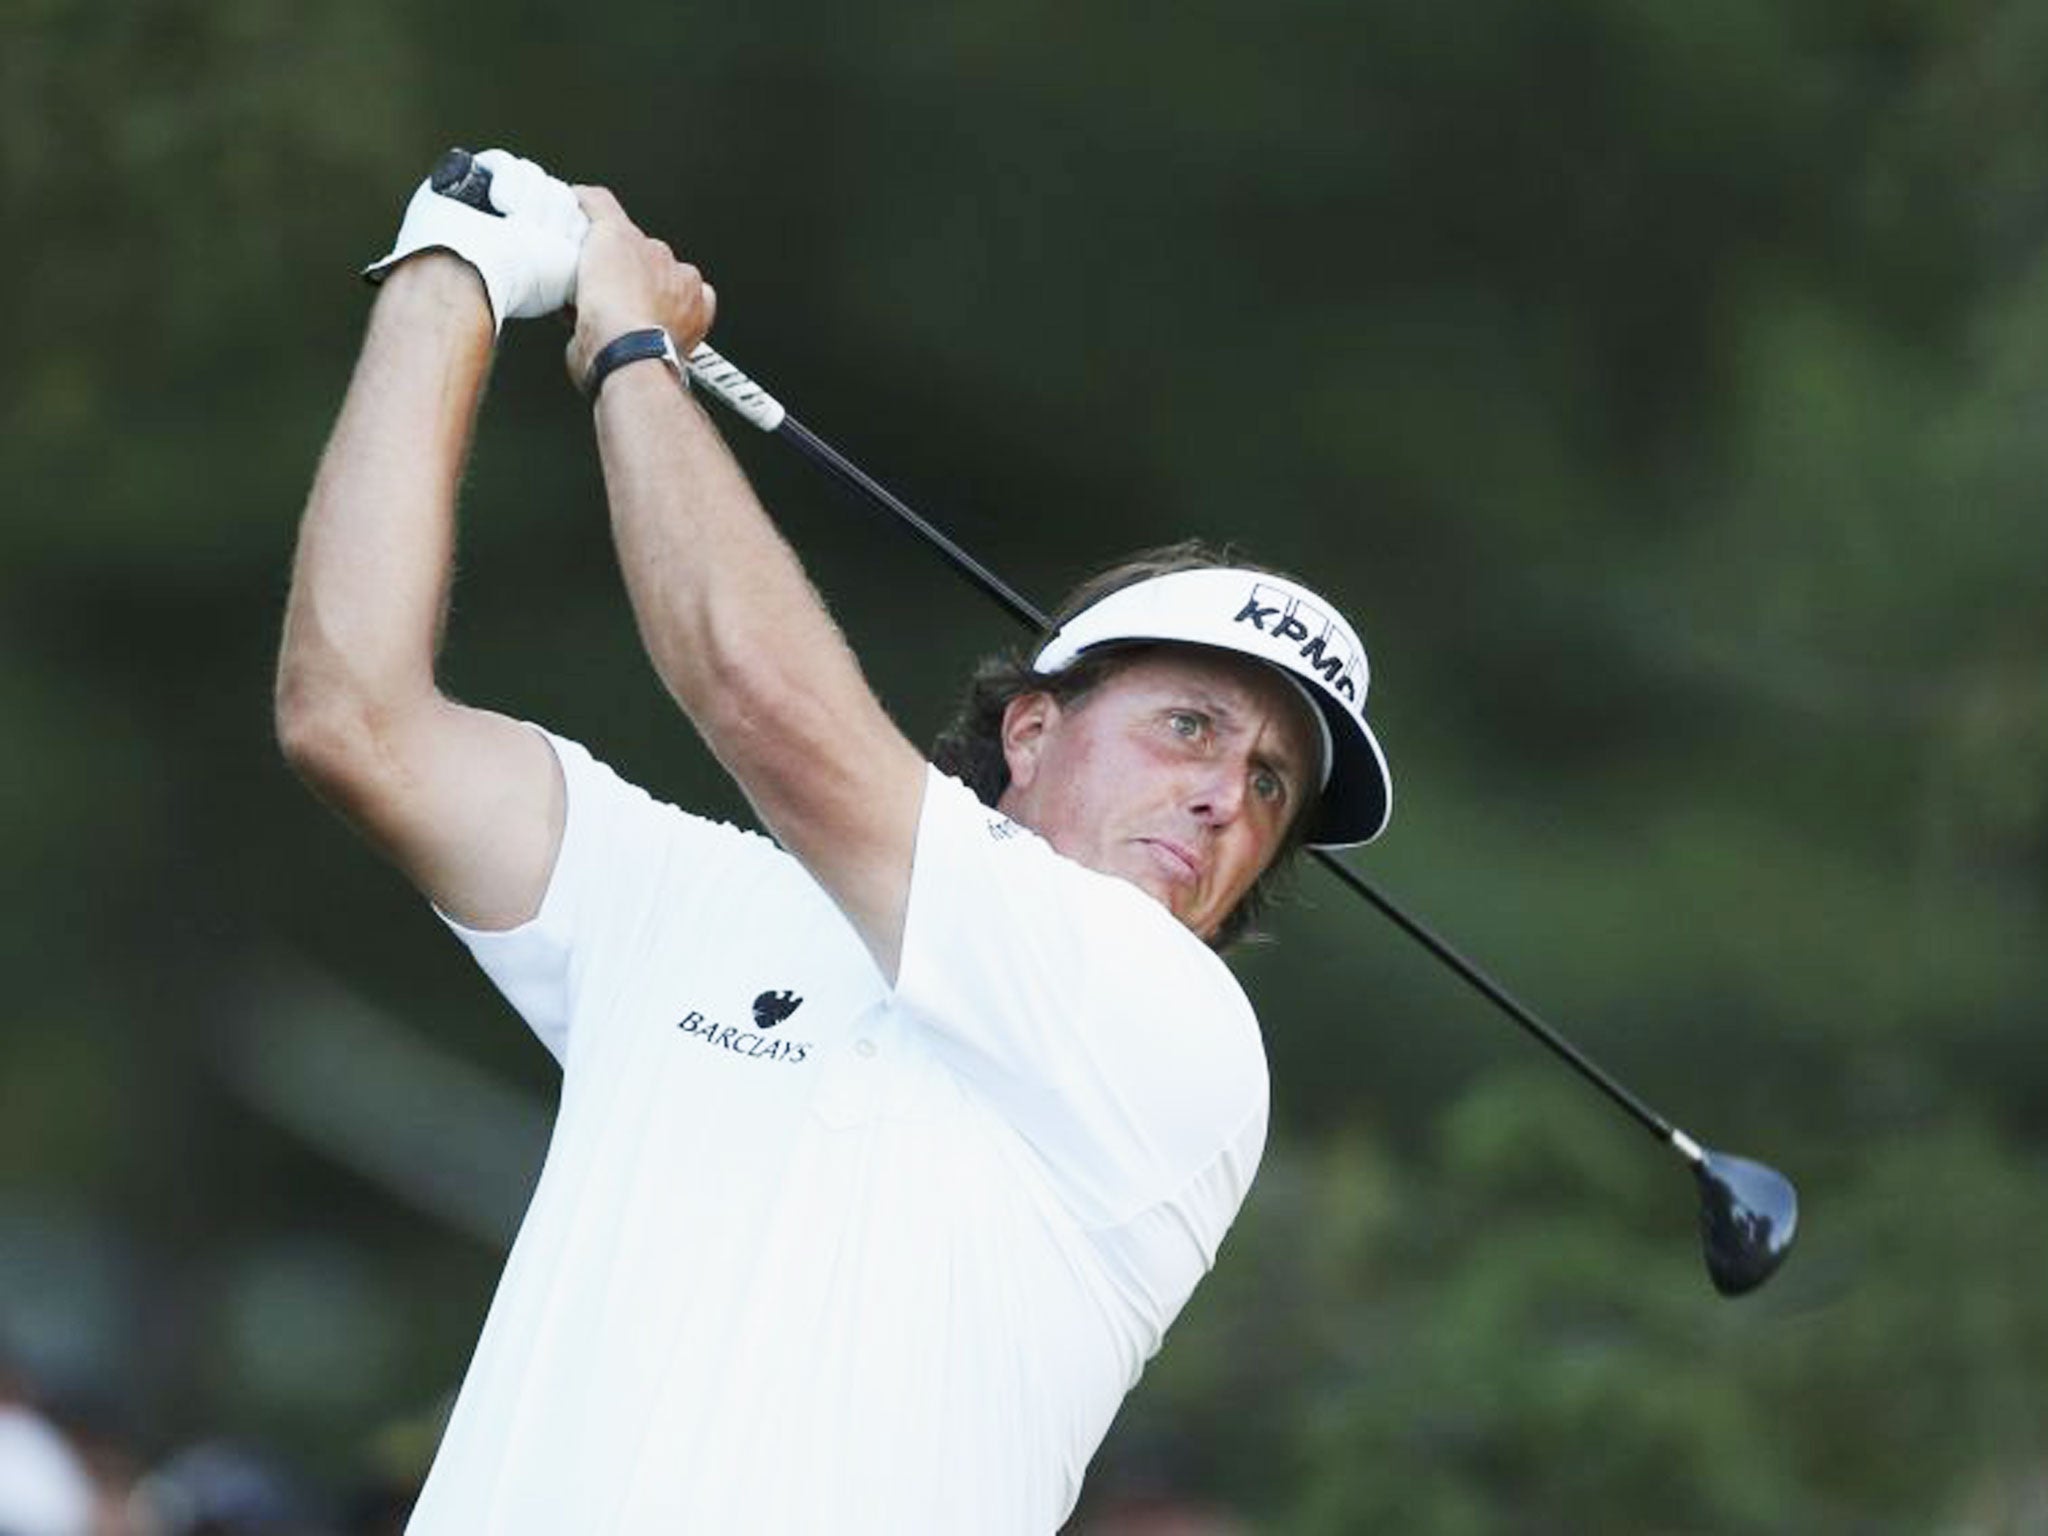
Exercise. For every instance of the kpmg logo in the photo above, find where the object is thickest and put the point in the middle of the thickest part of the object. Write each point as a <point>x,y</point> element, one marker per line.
<point>770,1009</point>
<point>1322,641</point>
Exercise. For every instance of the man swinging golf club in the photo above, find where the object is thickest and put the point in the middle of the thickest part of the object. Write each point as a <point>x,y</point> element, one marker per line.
<point>890,1142</point>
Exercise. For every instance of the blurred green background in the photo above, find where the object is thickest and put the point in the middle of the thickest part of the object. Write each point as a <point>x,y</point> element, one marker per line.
<point>1663,387</point>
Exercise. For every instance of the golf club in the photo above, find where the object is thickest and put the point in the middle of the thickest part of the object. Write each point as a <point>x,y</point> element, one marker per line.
<point>1749,1213</point>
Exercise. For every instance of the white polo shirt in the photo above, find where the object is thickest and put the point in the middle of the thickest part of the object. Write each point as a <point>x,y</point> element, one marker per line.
<point>809,1255</point>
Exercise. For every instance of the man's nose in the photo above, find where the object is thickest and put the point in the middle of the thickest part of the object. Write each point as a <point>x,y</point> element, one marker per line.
<point>1216,794</point>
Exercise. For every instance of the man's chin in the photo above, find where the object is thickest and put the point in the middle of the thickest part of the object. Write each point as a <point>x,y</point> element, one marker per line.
<point>1177,896</point>
<point>1178,900</point>
<point>1149,880</point>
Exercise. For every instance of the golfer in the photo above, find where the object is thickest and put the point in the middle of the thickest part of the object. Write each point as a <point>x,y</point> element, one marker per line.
<point>893,1135</point>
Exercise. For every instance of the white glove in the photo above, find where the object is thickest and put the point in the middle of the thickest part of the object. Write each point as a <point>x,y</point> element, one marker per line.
<point>525,252</point>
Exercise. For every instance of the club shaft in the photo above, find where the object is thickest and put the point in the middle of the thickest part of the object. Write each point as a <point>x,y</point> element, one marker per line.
<point>843,469</point>
<point>1515,1009</point>
<point>709,368</point>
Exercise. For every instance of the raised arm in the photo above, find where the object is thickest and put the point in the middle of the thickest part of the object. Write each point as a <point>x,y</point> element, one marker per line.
<point>467,803</point>
<point>732,624</point>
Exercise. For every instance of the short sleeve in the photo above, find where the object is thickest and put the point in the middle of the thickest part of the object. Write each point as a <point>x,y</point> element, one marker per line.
<point>1116,1043</point>
<point>620,851</point>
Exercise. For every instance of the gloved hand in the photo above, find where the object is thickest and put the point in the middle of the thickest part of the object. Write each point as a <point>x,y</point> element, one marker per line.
<point>525,251</point>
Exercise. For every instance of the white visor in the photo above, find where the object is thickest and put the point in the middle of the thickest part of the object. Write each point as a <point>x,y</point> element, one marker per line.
<point>1273,620</point>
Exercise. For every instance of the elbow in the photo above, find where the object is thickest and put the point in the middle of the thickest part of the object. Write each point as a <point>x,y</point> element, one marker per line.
<point>330,736</point>
<point>315,731</point>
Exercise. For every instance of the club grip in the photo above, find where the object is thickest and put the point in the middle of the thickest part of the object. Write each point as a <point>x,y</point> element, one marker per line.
<point>459,175</point>
<point>732,386</point>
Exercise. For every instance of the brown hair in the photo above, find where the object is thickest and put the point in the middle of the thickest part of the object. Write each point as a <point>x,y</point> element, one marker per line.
<point>970,747</point>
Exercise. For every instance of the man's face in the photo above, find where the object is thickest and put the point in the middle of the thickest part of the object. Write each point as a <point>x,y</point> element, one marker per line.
<point>1181,773</point>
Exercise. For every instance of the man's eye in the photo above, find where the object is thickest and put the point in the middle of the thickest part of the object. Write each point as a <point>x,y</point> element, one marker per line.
<point>1186,724</point>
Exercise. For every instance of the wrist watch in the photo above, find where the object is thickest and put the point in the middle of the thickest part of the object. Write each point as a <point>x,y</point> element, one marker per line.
<point>633,347</point>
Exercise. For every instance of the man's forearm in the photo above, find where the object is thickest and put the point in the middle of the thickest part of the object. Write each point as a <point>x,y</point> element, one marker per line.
<point>733,625</point>
<point>747,648</point>
<point>370,581</point>
<point>725,609</point>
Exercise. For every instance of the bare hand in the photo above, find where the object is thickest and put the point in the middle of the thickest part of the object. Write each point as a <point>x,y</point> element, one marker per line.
<point>627,282</point>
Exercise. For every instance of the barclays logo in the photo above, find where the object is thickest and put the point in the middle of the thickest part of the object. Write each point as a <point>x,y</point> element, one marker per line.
<point>771,1008</point>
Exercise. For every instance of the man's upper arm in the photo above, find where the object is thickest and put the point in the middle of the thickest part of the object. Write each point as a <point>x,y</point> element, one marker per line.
<point>469,804</point>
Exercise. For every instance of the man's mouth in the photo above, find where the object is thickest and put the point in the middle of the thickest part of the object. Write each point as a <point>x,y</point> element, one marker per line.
<point>1175,860</point>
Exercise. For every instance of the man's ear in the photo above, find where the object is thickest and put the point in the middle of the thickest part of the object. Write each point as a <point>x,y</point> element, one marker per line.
<point>1026,719</point>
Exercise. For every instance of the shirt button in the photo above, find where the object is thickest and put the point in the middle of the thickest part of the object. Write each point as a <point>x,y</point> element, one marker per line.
<point>864,1047</point>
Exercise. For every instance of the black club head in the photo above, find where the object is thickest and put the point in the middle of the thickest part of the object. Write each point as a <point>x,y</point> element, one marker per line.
<point>1749,1215</point>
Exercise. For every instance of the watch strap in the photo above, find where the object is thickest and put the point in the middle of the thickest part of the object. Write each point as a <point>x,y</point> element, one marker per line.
<point>633,347</point>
